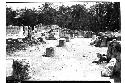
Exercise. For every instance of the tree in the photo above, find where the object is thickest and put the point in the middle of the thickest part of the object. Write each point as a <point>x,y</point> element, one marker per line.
<point>102,16</point>
<point>27,17</point>
<point>74,17</point>
<point>63,16</point>
<point>112,18</point>
<point>10,14</point>
<point>47,14</point>
<point>106,16</point>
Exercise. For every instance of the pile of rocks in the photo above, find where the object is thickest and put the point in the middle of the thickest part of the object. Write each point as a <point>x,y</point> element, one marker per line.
<point>87,34</point>
<point>102,41</point>
<point>113,68</point>
<point>113,60</point>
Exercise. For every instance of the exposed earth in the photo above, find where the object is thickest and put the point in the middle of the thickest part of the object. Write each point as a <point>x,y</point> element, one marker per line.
<point>71,62</point>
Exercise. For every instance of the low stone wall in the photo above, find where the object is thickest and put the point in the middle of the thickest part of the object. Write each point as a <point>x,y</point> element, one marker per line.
<point>16,32</point>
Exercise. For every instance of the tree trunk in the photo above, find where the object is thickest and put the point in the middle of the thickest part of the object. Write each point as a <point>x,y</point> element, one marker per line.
<point>29,33</point>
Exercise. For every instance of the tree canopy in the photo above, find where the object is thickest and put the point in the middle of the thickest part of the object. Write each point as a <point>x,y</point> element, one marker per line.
<point>102,16</point>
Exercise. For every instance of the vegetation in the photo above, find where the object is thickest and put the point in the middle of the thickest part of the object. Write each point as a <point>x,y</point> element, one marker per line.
<point>20,71</point>
<point>103,16</point>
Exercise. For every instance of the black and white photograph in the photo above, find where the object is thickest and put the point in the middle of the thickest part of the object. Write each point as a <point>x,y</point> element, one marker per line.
<point>63,41</point>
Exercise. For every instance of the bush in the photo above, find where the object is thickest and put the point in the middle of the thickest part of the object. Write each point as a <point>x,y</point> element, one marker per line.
<point>20,70</point>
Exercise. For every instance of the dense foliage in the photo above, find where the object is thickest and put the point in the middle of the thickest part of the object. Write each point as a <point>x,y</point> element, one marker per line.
<point>102,16</point>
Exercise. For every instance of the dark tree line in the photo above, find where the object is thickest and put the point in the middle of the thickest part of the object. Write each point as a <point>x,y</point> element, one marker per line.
<point>102,16</point>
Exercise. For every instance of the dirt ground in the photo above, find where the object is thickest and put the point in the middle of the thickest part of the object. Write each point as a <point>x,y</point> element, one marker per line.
<point>71,62</point>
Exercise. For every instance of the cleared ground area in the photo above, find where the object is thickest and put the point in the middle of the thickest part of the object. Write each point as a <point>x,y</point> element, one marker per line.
<point>71,62</point>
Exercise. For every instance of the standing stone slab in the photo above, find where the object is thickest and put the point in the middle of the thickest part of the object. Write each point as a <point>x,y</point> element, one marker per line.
<point>62,42</point>
<point>97,43</point>
<point>50,52</point>
<point>67,39</point>
<point>104,42</point>
<point>93,37</point>
<point>9,69</point>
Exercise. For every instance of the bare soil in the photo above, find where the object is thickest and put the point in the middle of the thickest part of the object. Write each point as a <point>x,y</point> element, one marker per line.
<point>71,62</point>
